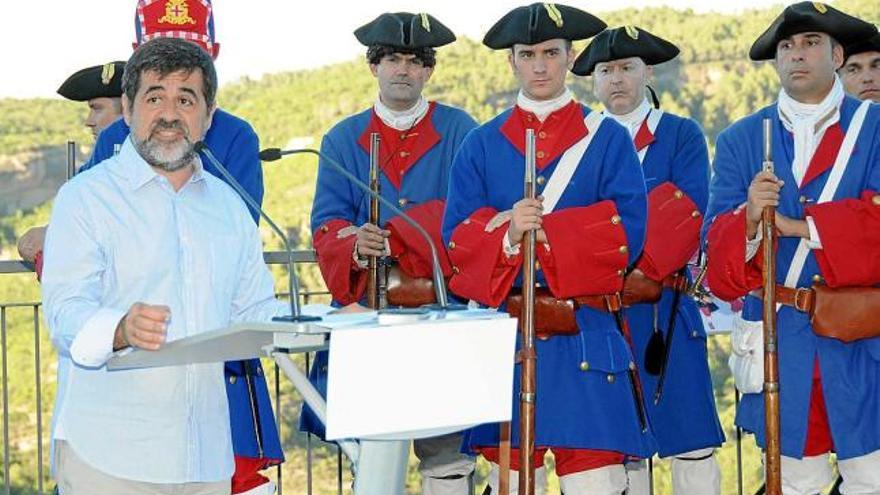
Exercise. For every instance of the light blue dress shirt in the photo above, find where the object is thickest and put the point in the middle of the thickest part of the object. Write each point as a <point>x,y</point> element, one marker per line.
<point>120,234</point>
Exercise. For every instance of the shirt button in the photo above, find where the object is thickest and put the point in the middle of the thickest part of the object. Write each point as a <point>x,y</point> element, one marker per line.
<point>876,200</point>
<point>537,265</point>
<point>584,366</point>
<point>539,154</point>
<point>542,135</point>
<point>541,180</point>
<point>695,214</point>
<point>802,200</point>
<point>615,219</point>
<point>623,250</point>
<point>451,244</point>
<point>678,194</point>
<point>404,154</point>
<point>402,201</point>
<point>455,270</point>
<point>610,378</point>
<point>817,279</point>
<point>232,380</point>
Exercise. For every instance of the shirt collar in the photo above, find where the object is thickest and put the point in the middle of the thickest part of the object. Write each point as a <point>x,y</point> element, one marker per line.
<point>634,119</point>
<point>543,108</point>
<point>133,168</point>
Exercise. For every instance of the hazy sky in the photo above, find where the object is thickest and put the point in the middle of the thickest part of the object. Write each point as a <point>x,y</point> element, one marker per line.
<point>43,42</point>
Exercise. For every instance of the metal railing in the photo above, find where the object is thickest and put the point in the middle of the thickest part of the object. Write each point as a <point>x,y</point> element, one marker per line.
<point>19,318</point>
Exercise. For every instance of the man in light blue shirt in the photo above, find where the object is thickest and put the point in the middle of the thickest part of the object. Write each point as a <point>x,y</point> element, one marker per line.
<point>150,248</point>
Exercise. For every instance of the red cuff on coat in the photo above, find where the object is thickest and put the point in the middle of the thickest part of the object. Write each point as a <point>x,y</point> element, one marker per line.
<point>587,251</point>
<point>849,231</point>
<point>673,233</point>
<point>728,274</point>
<point>334,245</point>
<point>409,247</point>
<point>480,269</point>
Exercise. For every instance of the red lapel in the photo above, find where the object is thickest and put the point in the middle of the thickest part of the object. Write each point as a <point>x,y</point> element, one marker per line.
<point>644,137</point>
<point>400,150</point>
<point>559,131</point>
<point>825,155</point>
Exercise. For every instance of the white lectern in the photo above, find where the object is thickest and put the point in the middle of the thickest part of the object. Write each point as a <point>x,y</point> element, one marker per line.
<point>389,381</point>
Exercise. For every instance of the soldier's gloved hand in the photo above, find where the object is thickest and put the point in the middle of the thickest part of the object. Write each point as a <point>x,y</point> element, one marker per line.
<point>763,192</point>
<point>144,326</point>
<point>371,241</point>
<point>526,215</point>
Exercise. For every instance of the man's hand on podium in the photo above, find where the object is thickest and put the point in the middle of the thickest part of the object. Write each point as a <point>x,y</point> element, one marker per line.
<point>144,326</point>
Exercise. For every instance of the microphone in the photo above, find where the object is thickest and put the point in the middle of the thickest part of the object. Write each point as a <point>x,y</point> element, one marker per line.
<point>272,154</point>
<point>292,281</point>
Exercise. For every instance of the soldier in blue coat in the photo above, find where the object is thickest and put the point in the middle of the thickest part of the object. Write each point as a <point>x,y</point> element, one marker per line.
<point>590,225</point>
<point>233,141</point>
<point>675,162</point>
<point>418,139</point>
<point>825,183</point>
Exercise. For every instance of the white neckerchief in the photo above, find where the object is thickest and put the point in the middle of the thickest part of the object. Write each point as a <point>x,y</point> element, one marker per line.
<point>542,109</point>
<point>808,124</point>
<point>633,120</point>
<point>403,120</point>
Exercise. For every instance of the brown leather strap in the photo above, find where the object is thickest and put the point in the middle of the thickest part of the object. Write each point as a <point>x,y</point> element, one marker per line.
<point>800,298</point>
<point>603,302</point>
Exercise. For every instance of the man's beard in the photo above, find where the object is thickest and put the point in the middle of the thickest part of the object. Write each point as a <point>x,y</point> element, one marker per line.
<point>169,158</point>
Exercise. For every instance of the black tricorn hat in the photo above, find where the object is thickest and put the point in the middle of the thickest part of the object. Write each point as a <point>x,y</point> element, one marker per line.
<point>94,82</point>
<point>871,44</point>
<point>624,42</point>
<point>803,17</point>
<point>405,30</point>
<point>539,22</point>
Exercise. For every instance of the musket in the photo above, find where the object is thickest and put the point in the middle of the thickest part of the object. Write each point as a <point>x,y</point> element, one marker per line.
<point>773,473</point>
<point>373,261</point>
<point>527,349</point>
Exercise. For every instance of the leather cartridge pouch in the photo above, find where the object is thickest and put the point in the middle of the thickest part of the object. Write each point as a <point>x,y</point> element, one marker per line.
<point>406,291</point>
<point>847,314</point>
<point>557,316</point>
<point>552,316</point>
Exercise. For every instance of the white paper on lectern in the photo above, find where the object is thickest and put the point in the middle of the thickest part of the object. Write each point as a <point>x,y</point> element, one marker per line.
<point>406,379</point>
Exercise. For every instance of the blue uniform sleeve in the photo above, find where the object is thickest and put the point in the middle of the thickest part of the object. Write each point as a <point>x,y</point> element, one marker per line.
<point>335,196</point>
<point>690,171</point>
<point>112,135</point>
<point>243,162</point>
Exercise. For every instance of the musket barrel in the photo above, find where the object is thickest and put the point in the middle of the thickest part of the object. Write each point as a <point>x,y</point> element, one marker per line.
<point>771,364</point>
<point>373,262</point>
<point>527,328</point>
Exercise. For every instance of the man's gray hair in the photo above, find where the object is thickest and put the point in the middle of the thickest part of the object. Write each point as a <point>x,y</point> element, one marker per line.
<point>167,56</point>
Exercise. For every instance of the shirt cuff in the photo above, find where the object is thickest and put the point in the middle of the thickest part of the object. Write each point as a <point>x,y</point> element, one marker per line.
<point>365,262</point>
<point>508,249</point>
<point>752,245</point>
<point>360,263</point>
<point>813,242</point>
<point>93,345</point>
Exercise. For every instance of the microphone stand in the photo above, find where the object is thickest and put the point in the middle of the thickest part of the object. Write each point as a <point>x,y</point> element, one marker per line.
<point>292,281</point>
<point>442,304</point>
